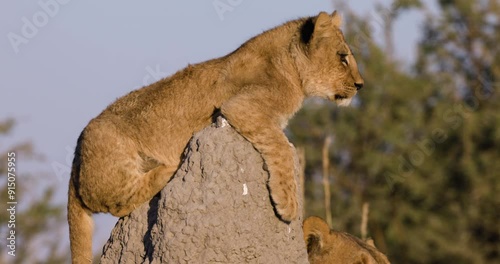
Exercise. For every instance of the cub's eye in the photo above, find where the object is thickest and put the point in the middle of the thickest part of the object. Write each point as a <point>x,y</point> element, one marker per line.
<point>343,59</point>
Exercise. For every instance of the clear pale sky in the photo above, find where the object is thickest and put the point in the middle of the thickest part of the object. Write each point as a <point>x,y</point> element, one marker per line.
<point>82,55</point>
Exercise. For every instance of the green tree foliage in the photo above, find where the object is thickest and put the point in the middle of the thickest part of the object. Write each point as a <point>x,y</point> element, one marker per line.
<point>38,221</point>
<point>420,145</point>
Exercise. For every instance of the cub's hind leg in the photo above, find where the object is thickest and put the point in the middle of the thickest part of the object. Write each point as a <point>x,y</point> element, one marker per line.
<point>143,189</point>
<point>109,175</point>
<point>116,173</point>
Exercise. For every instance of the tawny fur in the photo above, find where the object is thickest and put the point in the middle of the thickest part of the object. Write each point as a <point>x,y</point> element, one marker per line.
<point>129,152</point>
<point>325,246</point>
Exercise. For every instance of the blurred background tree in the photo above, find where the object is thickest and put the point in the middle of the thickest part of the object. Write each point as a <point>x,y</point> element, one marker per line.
<point>39,221</point>
<point>421,144</point>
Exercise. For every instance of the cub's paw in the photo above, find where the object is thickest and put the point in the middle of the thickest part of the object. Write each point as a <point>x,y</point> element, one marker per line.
<point>284,196</point>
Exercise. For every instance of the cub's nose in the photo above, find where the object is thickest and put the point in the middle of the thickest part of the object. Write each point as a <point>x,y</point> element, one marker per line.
<point>358,85</point>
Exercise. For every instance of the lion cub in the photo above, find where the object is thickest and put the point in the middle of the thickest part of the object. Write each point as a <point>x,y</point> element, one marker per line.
<point>325,246</point>
<point>129,152</point>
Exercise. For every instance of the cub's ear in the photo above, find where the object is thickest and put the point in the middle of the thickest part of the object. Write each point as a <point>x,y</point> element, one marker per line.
<point>316,234</point>
<point>370,242</point>
<point>323,22</point>
<point>336,19</point>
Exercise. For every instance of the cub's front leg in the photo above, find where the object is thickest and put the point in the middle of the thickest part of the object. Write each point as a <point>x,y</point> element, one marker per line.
<point>261,127</point>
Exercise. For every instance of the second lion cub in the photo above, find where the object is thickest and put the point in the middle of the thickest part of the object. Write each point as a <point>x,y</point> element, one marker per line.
<point>130,151</point>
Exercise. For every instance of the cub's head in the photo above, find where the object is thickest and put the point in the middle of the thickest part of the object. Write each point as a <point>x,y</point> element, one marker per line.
<point>326,64</point>
<point>326,246</point>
